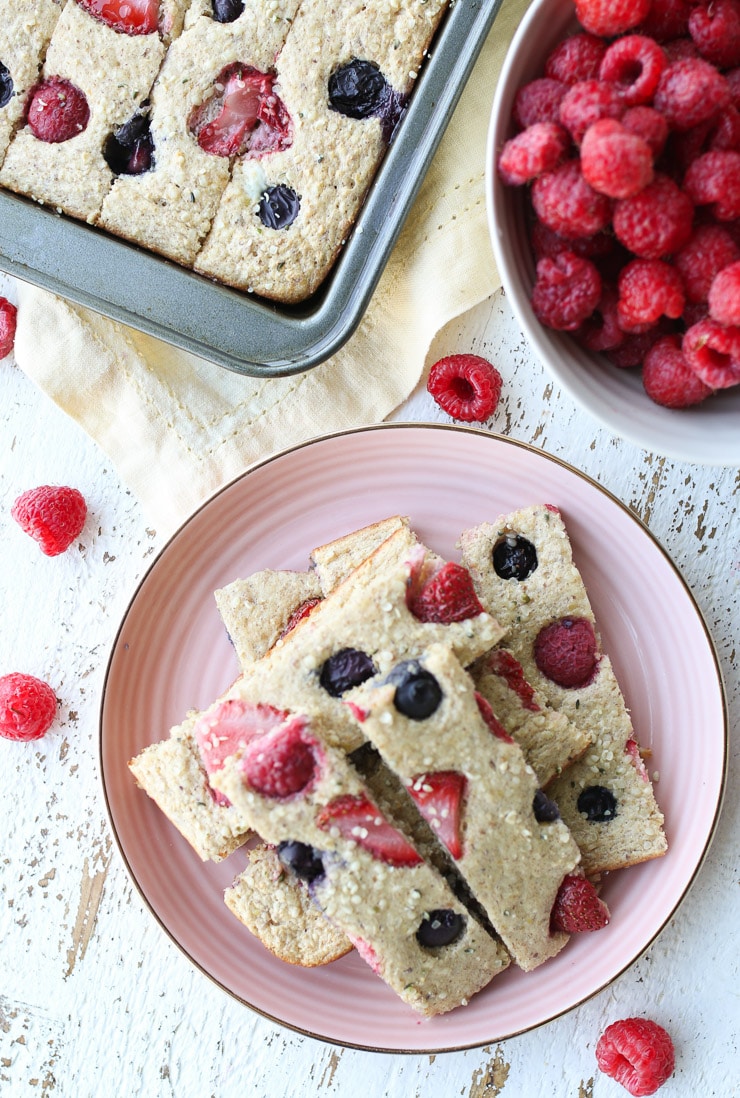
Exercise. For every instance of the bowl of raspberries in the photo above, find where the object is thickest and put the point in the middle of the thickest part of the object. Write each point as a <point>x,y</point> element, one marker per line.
<point>613,193</point>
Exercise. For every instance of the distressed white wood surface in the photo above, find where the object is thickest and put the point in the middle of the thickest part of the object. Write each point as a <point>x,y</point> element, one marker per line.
<point>96,1001</point>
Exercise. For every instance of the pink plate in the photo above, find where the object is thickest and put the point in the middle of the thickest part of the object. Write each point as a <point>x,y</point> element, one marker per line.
<point>172,654</point>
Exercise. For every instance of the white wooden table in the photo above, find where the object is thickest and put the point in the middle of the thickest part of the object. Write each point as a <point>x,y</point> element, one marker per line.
<point>96,1001</point>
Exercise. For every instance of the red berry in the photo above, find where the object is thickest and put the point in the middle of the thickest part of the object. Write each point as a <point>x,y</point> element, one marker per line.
<point>227,727</point>
<point>502,663</point>
<point>492,722</point>
<point>546,242</point>
<point>538,149</point>
<point>634,64</point>
<point>467,387</point>
<point>57,111</point>
<point>446,597</point>
<point>27,707</point>
<point>128,16</point>
<point>53,516</point>
<point>301,611</point>
<point>691,91</point>
<point>632,350</point>
<point>657,221</point>
<point>609,18</point>
<point>567,290</point>
<point>614,161</point>
<point>648,124</point>
<point>8,315</point>
<point>576,58</point>
<point>715,28</point>
<point>601,331</point>
<point>587,102</point>
<point>680,49</point>
<point>244,104</point>
<point>355,817</point>
<point>724,296</point>
<point>710,249</point>
<point>667,20</point>
<point>638,1053</point>
<point>713,353</point>
<point>282,762</point>
<point>564,201</point>
<point>668,379</point>
<point>439,798</point>
<point>648,289</point>
<point>565,652</point>
<point>538,101</point>
<point>714,179</point>
<point>577,907</point>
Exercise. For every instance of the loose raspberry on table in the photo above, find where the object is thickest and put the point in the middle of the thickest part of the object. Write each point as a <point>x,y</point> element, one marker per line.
<point>566,292</point>
<point>691,91</point>
<point>714,180</point>
<point>52,515</point>
<point>638,1053</point>
<point>538,101</point>
<point>634,65</point>
<point>8,317</point>
<point>668,379</point>
<point>648,124</point>
<point>667,20</point>
<point>538,149</point>
<point>57,110</point>
<point>27,707</point>
<point>715,28</point>
<point>565,202</point>
<point>467,387</point>
<point>614,161</point>
<point>712,350</point>
<point>576,58</point>
<point>577,907</point>
<point>656,222</point>
<point>609,18</point>
<point>648,289</point>
<point>724,296</point>
<point>587,102</point>
<point>601,331</point>
<point>710,249</point>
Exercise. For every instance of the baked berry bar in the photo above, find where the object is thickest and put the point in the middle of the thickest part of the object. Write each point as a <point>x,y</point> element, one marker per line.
<point>259,610</point>
<point>26,27</point>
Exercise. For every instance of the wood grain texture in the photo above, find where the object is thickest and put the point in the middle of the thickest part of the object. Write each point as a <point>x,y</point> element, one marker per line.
<point>95,999</point>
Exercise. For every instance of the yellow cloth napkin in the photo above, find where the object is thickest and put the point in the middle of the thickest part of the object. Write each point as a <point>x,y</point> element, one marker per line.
<point>178,427</point>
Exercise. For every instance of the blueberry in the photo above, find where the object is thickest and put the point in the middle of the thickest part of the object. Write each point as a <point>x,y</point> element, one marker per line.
<point>301,860</point>
<point>279,207</point>
<point>441,928</point>
<point>545,810</point>
<point>6,85</point>
<point>130,150</point>
<point>598,803</point>
<point>514,557</point>
<point>345,669</point>
<point>358,89</point>
<point>226,11</point>
<point>418,693</point>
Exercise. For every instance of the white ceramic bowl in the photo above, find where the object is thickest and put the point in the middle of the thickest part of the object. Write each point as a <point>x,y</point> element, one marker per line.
<point>708,434</point>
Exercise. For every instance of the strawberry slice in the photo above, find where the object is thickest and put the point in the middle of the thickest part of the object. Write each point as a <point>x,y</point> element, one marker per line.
<point>127,16</point>
<point>494,724</point>
<point>243,114</point>
<point>439,799</point>
<point>356,817</point>
<point>505,665</point>
<point>229,726</point>
<point>302,610</point>
<point>447,595</point>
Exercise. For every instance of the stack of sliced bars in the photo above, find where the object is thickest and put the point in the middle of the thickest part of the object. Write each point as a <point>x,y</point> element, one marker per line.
<point>383,756</point>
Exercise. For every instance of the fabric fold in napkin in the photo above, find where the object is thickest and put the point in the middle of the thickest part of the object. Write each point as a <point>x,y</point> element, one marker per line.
<point>178,427</point>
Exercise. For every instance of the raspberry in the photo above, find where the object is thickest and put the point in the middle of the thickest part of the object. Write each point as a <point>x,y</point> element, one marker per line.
<point>634,64</point>
<point>733,79</point>
<point>715,28</point>
<point>567,291</point>
<point>709,250</point>
<point>713,353</point>
<point>538,101</point>
<point>565,652</point>
<point>648,289</point>
<point>668,379</point>
<point>57,110</point>
<point>587,102</point>
<point>724,296</point>
<point>8,314</point>
<point>576,58</point>
<point>53,516</point>
<point>538,149</point>
<point>577,907</point>
<point>714,179</point>
<point>614,161</point>
<point>282,762</point>
<point>638,1053</point>
<point>631,352</point>
<point>657,221</point>
<point>601,331</point>
<point>680,49</point>
<point>667,20</point>
<point>648,124</point>
<point>447,596</point>
<point>547,242</point>
<point>467,387</point>
<point>725,134</point>
<point>691,91</point>
<point>27,707</point>
<point>564,201</point>
<point>611,17</point>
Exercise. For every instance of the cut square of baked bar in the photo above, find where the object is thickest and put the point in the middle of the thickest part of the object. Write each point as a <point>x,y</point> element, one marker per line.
<point>259,609</point>
<point>524,572</point>
<point>26,27</point>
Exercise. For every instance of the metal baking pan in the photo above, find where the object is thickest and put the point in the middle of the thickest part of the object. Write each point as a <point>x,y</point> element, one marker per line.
<point>242,333</point>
